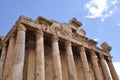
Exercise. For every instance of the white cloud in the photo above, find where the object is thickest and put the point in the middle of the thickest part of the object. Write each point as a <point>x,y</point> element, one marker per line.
<point>117,67</point>
<point>100,8</point>
<point>96,39</point>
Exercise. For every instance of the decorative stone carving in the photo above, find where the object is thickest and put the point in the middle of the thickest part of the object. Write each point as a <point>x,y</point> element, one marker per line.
<point>105,46</point>
<point>79,38</point>
<point>45,27</point>
<point>59,30</point>
<point>39,33</point>
<point>92,42</point>
<point>55,38</point>
<point>82,32</point>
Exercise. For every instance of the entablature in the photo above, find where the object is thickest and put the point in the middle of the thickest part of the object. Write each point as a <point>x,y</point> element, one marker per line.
<point>62,30</point>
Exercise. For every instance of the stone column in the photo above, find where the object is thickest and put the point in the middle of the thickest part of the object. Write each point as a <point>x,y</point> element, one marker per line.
<point>112,69</point>
<point>70,61</point>
<point>95,65</point>
<point>31,65</point>
<point>86,69</point>
<point>19,53</point>
<point>40,63</point>
<point>104,68</point>
<point>8,65</point>
<point>57,71</point>
<point>2,60</point>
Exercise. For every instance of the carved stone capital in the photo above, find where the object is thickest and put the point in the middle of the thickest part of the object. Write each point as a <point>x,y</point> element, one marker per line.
<point>92,52</point>
<point>21,27</point>
<point>92,42</point>
<point>4,46</point>
<point>82,31</point>
<point>101,56</point>
<point>108,59</point>
<point>39,34</point>
<point>68,43</point>
<point>55,38</point>
<point>105,46</point>
<point>82,48</point>
<point>12,35</point>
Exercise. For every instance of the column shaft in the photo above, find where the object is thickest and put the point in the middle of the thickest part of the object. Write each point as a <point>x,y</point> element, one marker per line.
<point>70,60</point>
<point>112,69</point>
<point>95,65</point>
<point>31,65</point>
<point>104,68</point>
<point>2,60</point>
<point>9,59</point>
<point>57,71</point>
<point>86,69</point>
<point>19,53</point>
<point>40,63</point>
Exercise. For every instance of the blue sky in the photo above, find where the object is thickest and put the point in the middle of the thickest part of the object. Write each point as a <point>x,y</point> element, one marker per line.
<point>100,18</point>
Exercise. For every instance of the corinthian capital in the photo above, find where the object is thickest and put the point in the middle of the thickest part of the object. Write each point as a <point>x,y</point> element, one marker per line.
<point>55,38</point>
<point>21,27</point>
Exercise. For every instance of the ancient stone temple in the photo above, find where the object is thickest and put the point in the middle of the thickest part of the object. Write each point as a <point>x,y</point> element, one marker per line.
<point>45,49</point>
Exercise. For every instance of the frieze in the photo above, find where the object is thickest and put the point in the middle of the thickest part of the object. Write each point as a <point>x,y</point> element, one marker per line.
<point>45,27</point>
<point>79,38</point>
<point>58,30</point>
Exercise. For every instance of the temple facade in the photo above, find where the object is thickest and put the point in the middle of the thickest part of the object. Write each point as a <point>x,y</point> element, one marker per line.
<point>45,49</point>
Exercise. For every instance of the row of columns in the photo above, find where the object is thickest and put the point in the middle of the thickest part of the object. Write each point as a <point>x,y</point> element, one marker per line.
<point>19,52</point>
